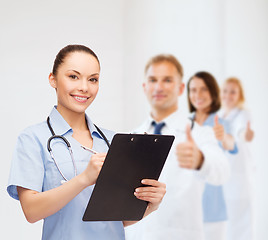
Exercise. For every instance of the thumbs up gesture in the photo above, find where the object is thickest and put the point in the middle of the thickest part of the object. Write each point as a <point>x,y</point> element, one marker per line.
<point>218,129</point>
<point>249,134</point>
<point>188,154</point>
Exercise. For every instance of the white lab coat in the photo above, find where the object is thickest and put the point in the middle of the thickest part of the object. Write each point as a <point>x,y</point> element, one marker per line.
<point>180,214</point>
<point>239,190</point>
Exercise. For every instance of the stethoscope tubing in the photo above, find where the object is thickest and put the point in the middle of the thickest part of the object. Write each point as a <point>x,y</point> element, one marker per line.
<point>54,136</point>
<point>70,151</point>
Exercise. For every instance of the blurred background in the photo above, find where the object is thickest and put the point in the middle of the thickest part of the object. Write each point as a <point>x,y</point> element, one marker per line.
<point>224,37</point>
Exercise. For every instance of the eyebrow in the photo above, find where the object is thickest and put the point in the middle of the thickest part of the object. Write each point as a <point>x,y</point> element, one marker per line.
<point>80,73</point>
<point>76,72</point>
<point>163,77</point>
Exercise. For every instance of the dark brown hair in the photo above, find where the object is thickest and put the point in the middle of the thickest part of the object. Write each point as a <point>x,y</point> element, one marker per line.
<point>213,89</point>
<point>67,50</point>
<point>165,58</point>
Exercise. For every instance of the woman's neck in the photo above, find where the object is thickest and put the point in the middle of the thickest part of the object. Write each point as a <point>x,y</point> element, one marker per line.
<point>77,121</point>
<point>200,117</point>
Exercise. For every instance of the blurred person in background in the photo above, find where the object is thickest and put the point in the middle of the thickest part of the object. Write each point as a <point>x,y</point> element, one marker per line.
<point>203,94</point>
<point>195,157</point>
<point>239,190</point>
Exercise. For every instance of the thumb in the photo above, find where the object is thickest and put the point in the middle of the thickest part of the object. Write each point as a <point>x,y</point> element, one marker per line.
<point>216,120</point>
<point>188,133</point>
<point>248,125</point>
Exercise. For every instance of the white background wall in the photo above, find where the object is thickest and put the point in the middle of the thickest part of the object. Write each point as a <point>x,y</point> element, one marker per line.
<point>223,37</point>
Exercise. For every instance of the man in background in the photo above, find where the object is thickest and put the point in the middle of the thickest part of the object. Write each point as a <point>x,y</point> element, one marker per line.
<point>195,158</point>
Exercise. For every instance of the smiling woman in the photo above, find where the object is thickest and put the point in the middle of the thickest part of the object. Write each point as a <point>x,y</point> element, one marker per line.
<point>77,80</point>
<point>40,182</point>
<point>240,189</point>
<point>203,95</point>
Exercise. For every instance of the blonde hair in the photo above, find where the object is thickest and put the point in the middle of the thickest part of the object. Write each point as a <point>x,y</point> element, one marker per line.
<point>165,58</point>
<point>236,81</point>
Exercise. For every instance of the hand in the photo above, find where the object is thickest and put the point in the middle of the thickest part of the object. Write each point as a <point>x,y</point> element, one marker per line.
<point>218,129</point>
<point>249,134</point>
<point>94,166</point>
<point>153,193</point>
<point>188,154</point>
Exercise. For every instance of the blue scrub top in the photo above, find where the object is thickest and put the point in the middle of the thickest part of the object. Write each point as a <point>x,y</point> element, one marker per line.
<point>214,206</point>
<point>33,168</point>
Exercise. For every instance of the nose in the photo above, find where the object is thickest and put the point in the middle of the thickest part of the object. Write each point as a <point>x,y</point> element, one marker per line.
<point>198,93</point>
<point>83,85</point>
<point>159,86</point>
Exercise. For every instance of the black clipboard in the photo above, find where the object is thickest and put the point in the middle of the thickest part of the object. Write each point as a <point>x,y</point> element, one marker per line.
<point>130,158</point>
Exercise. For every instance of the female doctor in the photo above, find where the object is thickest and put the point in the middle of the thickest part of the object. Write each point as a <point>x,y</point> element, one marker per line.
<point>203,95</point>
<point>239,190</point>
<point>57,187</point>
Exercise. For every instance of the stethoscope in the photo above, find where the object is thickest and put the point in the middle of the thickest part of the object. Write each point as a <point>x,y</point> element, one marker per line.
<point>54,136</point>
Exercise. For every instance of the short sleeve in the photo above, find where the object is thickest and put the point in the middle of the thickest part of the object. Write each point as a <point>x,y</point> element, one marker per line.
<point>27,168</point>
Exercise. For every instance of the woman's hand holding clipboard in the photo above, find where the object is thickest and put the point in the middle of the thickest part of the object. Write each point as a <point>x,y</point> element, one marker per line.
<point>130,159</point>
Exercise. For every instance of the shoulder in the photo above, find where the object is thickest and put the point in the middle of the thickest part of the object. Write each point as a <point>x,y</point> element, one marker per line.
<point>244,113</point>
<point>243,116</point>
<point>34,131</point>
<point>240,113</point>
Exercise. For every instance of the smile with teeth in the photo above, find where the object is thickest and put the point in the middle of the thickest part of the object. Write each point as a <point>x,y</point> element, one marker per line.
<point>80,99</point>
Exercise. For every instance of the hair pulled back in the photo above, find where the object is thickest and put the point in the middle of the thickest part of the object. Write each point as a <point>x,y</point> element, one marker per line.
<point>67,50</point>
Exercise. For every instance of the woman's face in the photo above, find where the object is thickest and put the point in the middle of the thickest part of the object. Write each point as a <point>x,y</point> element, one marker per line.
<point>230,95</point>
<point>199,95</point>
<point>76,82</point>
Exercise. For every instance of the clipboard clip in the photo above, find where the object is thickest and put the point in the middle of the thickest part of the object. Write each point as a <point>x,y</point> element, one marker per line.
<point>145,133</point>
<point>155,140</point>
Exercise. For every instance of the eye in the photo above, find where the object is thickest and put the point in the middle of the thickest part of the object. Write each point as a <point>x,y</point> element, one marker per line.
<point>94,80</point>
<point>73,76</point>
<point>168,80</point>
<point>152,80</point>
<point>192,90</point>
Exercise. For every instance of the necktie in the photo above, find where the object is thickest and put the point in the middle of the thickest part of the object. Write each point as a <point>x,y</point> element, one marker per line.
<point>158,127</point>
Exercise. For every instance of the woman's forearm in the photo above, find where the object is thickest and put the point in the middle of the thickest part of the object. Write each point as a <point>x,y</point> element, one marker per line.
<point>228,142</point>
<point>39,205</point>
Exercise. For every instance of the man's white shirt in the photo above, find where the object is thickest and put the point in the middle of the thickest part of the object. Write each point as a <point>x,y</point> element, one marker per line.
<point>179,216</point>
